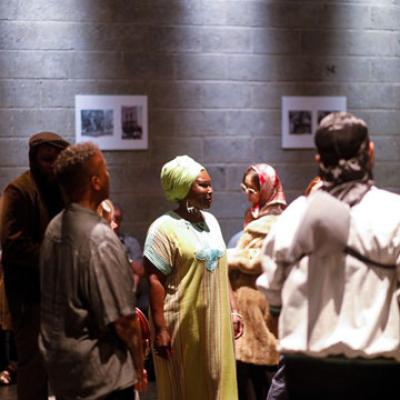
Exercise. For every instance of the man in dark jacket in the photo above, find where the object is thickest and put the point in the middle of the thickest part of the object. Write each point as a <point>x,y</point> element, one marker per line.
<point>30,202</point>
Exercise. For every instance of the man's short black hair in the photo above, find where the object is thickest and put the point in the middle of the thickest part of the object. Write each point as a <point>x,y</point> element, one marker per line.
<point>339,136</point>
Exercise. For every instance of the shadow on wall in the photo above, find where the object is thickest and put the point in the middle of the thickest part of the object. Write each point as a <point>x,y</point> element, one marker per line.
<point>214,73</point>
<point>127,48</point>
<point>305,49</point>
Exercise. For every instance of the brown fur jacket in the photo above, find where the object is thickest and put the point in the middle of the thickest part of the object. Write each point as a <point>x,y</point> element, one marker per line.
<point>257,345</point>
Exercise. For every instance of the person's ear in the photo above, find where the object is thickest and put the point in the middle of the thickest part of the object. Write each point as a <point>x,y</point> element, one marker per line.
<point>317,158</point>
<point>95,183</point>
<point>371,153</point>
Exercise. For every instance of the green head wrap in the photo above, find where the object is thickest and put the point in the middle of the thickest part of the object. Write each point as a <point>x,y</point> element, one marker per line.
<point>178,175</point>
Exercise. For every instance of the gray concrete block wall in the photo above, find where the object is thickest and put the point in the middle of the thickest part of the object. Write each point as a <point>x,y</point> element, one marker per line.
<point>214,72</point>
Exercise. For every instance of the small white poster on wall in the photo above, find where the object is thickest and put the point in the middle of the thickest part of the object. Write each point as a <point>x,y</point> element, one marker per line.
<point>112,122</point>
<point>301,116</point>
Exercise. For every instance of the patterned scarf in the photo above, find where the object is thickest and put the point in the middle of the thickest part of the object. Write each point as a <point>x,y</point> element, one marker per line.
<point>272,198</point>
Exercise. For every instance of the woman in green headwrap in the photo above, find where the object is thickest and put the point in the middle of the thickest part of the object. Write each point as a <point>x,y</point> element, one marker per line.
<point>192,309</point>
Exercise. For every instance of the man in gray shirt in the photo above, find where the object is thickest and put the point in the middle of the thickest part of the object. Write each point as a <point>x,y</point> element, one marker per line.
<point>89,334</point>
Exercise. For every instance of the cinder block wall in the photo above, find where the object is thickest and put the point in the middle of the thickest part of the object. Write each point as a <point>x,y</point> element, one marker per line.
<point>214,72</point>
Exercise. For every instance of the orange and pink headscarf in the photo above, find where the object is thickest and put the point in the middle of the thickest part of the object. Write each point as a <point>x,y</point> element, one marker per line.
<point>272,198</point>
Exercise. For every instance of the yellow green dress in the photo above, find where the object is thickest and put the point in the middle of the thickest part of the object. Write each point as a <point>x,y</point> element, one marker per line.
<point>196,308</point>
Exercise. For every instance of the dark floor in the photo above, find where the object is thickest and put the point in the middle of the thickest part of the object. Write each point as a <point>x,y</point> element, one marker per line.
<point>9,393</point>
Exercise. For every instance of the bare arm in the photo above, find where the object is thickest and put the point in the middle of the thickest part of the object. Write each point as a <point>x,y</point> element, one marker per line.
<point>236,316</point>
<point>128,330</point>
<point>162,339</point>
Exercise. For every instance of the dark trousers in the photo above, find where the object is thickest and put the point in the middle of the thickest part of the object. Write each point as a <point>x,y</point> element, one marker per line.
<point>277,390</point>
<point>254,380</point>
<point>31,374</point>
<point>341,379</point>
<point>8,352</point>
<point>124,394</point>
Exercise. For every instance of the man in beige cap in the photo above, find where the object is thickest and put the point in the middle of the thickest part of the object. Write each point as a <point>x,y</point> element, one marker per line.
<point>30,202</point>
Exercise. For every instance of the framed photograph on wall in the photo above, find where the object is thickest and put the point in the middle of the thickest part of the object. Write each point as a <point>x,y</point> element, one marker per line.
<point>112,122</point>
<point>301,116</point>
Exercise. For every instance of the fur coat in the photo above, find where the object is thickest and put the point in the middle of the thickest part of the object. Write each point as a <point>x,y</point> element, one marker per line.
<point>257,345</point>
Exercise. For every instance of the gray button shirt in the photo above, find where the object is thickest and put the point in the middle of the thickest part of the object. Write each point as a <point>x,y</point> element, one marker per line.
<point>86,285</point>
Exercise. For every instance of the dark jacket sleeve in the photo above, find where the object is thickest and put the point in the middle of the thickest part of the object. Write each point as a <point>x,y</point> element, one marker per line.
<point>20,229</point>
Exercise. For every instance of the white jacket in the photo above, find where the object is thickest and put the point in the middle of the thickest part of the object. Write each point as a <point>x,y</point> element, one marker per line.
<point>335,304</point>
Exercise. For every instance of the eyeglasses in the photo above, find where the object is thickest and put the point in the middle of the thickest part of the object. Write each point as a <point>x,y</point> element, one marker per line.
<point>248,190</point>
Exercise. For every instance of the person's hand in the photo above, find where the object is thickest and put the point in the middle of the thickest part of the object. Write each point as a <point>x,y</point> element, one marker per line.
<point>162,344</point>
<point>138,271</point>
<point>238,327</point>
<point>137,267</point>
<point>142,381</point>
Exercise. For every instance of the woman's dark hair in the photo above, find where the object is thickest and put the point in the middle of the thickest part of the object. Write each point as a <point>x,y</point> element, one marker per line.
<point>253,176</point>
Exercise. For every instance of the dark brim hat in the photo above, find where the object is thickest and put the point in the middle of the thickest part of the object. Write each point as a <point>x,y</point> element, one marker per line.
<point>50,138</point>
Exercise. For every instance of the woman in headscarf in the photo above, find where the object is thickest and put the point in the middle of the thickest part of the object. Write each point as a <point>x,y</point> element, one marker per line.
<point>192,309</point>
<point>264,192</point>
<point>256,351</point>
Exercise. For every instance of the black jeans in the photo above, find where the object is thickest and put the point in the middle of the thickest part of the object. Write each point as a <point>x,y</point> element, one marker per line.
<point>254,380</point>
<point>8,353</point>
<point>124,394</point>
<point>31,373</point>
<point>337,378</point>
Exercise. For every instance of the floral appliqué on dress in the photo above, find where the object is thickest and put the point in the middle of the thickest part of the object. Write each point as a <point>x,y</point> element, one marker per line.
<point>210,257</point>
